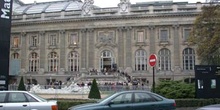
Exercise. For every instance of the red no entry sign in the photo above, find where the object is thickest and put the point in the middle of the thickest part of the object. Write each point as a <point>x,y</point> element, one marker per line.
<point>152,60</point>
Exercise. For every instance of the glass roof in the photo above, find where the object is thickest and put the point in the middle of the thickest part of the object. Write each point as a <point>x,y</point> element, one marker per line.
<point>54,6</point>
<point>38,8</point>
<point>20,10</point>
<point>74,6</point>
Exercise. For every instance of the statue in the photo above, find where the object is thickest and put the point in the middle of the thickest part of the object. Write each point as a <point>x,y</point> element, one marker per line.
<point>87,7</point>
<point>124,6</point>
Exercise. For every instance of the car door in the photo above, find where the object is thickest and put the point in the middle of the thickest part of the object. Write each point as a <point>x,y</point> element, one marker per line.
<point>16,101</point>
<point>143,101</point>
<point>120,102</point>
<point>2,100</point>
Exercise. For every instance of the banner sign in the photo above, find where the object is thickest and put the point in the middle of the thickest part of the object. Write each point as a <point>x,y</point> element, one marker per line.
<point>5,33</point>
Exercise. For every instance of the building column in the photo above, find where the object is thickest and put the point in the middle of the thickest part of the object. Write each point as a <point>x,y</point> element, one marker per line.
<point>120,48</point>
<point>83,49</point>
<point>43,55</point>
<point>62,51</point>
<point>128,50</point>
<point>91,47</point>
<point>128,47</point>
<point>152,40</point>
<point>24,51</point>
<point>176,48</point>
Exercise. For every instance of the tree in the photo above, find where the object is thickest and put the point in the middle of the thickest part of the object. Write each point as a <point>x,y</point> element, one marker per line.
<point>21,85</point>
<point>206,35</point>
<point>94,91</point>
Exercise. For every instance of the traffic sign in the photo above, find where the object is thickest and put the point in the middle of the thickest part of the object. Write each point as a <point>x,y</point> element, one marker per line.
<point>152,60</point>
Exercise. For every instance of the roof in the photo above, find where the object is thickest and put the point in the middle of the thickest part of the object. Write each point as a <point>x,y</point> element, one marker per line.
<point>55,6</point>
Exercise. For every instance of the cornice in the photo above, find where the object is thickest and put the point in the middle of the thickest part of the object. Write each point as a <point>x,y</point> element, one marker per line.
<point>98,18</point>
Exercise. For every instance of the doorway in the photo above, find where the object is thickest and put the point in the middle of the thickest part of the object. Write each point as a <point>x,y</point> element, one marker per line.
<point>106,61</point>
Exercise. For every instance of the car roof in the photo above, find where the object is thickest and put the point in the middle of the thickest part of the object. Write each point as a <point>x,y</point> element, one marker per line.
<point>13,91</point>
<point>126,91</point>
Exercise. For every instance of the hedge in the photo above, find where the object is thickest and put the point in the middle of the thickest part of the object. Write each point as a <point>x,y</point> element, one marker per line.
<point>65,104</point>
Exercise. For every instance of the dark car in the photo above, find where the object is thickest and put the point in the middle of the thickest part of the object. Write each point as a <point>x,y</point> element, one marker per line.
<point>210,107</point>
<point>130,100</point>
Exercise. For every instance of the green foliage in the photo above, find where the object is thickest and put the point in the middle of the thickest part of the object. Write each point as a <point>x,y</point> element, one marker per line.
<point>94,91</point>
<point>205,35</point>
<point>21,85</point>
<point>175,89</point>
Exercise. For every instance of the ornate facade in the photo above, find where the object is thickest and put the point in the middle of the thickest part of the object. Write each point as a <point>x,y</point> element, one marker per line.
<point>67,39</point>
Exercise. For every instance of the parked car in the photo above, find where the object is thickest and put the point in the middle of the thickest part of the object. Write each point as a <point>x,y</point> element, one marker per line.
<point>210,107</point>
<point>130,100</point>
<point>23,100</point>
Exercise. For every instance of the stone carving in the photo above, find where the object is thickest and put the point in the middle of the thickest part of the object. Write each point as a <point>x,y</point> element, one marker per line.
<point>124,6</point>
<point>87,7</point>
<point>106,39</point>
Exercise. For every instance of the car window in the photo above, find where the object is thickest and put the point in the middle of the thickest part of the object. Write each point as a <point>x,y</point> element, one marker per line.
<point>143,97</point>
<point>30,98</point>
<point>157,98</point>
<point>122,99</point>
<point>16,97</point>
<point>2,97</point>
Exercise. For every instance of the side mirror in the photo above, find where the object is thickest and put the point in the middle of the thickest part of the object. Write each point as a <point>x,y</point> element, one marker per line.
<point>110,103</point>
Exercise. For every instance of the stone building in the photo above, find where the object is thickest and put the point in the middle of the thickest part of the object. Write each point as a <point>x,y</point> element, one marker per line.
<point>68,39</point>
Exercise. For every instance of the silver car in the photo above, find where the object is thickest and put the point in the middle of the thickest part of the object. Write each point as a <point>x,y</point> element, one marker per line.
<point>23,100</point>
<point>210,107</point>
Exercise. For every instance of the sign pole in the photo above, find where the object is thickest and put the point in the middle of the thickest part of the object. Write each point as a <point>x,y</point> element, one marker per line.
<point>153,80</point>
<point>152,62</point>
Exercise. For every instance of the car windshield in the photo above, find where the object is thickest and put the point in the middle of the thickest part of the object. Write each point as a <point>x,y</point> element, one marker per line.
<point>40,98</point>
<point>105,98</point>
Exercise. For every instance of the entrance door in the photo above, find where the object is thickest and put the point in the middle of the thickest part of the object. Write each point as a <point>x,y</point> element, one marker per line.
<point>106,61</point>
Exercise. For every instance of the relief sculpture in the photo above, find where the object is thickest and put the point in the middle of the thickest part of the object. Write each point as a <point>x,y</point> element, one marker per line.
<point>106,39</point>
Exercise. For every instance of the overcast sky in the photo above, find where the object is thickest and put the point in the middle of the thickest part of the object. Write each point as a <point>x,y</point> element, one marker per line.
<point>114,3</point>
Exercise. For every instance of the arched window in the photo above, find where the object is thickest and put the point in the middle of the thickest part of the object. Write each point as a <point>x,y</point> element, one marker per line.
<point>188,59</point>
<point>73,61</point>
<point>53,61</point>
<point>15,56</point>
<point>107,60</point>
<point>33,62</point>
<point>164,59</point>
<point>140,60</point>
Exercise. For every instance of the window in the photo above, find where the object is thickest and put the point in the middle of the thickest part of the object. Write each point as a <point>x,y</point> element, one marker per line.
<point>33,62</point>
<point>73,39</point>
<point>213,83</point>
<point>53,62</point>
<point>53,39</point>
<point>2,97</point>
<point>140,36</point>
<point>16,97</point>
<point>15,42</point>
<point>186,34</point>
<point>15,56</point>
<point>164,59</point>
<point>144,97</point>
<point>140,60</point>
<point>33,40</point>
<point>30,98</point>
<point>188,59</point>
<point>163,35</point>
<point>123,99</point>
<point>73,61</point>
<point>200,84</point>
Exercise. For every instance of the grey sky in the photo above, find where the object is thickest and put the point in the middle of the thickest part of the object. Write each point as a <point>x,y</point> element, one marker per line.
<point>114,3</point>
